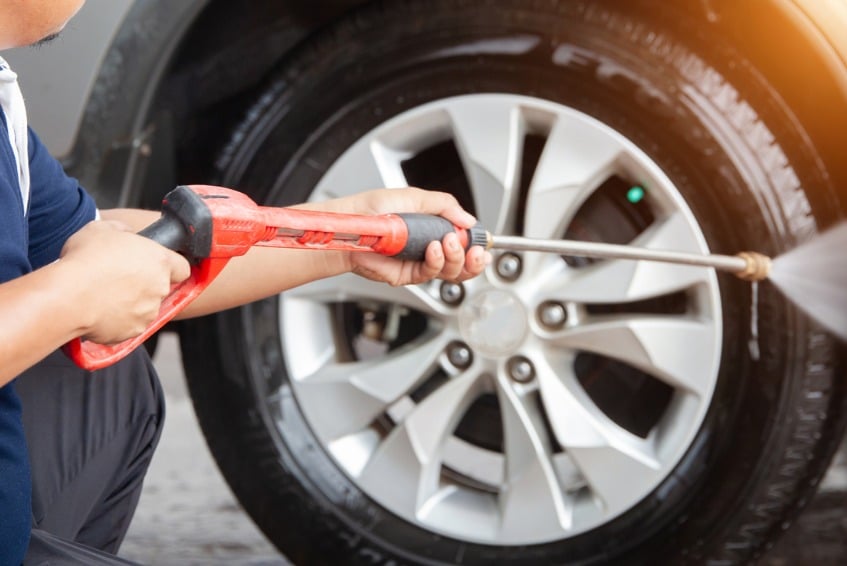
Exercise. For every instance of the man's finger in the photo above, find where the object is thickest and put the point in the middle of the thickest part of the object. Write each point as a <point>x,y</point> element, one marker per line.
<point>474,263</point>
<point>454,257</point>
<point>433,263</point>
<point>445,205</point>
<point>180,268</point>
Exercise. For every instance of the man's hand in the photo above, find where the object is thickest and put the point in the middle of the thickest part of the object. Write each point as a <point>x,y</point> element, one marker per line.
<point>120,279</point>
<point>444,260</point>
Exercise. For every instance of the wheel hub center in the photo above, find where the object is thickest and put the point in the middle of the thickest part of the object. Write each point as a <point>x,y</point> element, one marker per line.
<point>493,322</point>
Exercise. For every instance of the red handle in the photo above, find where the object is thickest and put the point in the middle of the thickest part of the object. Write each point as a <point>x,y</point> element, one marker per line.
<point>210,225</point>
<point>91,356</point>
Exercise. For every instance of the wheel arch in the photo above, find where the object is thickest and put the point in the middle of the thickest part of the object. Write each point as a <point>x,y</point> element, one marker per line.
<point>125,151</point>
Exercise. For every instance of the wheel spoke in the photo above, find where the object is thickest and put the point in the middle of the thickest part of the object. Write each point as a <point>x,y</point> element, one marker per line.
<point>405,468</point>
<point>613,474</point>
<point>488,133</point>
<point>577,158</point>
<point>531,499</point>
<point>351,287</point>
<point>623,281</point>
<point>677,350</point>
<point>343,398</point>
<point>603,452</point>
<point>368,164</point>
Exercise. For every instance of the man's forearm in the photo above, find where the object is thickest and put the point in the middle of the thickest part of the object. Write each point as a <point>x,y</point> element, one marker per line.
<point>261,273</point>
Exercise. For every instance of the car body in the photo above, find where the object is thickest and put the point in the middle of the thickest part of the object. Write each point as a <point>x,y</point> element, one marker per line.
<point>729,113</point>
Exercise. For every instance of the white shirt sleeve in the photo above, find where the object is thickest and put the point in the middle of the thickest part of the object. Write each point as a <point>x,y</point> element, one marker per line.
<point>12,104</point>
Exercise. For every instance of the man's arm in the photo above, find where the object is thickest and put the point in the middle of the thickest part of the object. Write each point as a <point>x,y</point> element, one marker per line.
<point>263,272</point>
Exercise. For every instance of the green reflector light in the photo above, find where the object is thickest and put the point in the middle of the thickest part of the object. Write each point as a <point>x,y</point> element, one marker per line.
<point>635,194</point>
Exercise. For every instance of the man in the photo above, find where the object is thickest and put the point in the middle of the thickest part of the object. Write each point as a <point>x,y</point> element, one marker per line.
<point>64,275</point>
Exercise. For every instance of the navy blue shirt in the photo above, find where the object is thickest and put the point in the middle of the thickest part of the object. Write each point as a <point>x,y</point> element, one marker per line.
<point>30,239</point>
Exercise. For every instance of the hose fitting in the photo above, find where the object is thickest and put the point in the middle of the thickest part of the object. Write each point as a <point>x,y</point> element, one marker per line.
<point>758,266</point>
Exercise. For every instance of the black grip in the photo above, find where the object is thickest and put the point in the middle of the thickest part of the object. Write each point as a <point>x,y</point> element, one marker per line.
<point>168,231</point>
<point>425,228</point>
<point>185,226</point>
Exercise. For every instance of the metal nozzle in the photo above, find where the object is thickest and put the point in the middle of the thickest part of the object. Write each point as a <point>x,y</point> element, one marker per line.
<point>758,266</point>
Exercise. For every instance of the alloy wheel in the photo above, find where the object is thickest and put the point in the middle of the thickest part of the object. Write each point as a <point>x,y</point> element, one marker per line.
<point>545,397</point>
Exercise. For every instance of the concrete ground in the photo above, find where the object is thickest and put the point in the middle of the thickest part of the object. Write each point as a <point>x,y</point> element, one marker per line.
<point>187,515</point>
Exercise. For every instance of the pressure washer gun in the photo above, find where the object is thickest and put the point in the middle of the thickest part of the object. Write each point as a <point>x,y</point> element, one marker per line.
<point>211,225</point>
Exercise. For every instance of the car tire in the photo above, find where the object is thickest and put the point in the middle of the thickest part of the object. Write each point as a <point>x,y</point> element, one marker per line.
<point>743,169</point>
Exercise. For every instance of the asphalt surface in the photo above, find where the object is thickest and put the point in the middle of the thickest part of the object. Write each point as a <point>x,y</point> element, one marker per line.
<point>188,516</point>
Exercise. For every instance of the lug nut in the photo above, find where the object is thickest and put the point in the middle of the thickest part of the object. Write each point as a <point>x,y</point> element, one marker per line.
<point>509,266</point>
<point>520,369</point>
<point>452,293</point>
<point>459,355</point>
<point>552,314</point>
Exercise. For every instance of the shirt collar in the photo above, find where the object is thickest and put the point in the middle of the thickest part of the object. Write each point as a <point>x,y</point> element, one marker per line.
<point>7,75</point>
